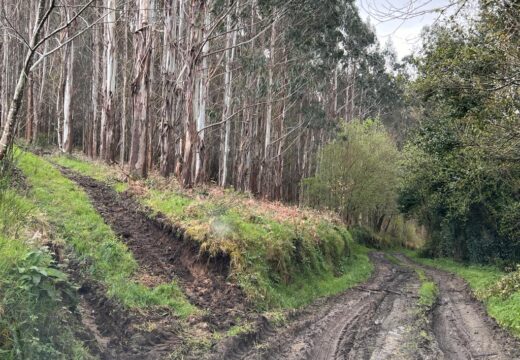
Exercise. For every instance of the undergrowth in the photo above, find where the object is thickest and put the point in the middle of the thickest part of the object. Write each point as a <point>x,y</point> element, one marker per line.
<point>78,223</point>
<point>282,257</point>
<point>488,284</point>
<point>37,302</point>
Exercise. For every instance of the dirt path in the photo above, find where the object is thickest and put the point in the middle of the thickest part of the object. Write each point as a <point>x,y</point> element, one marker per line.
<point>379,320</point>
<point>375,321</point>
<point>382,320</point>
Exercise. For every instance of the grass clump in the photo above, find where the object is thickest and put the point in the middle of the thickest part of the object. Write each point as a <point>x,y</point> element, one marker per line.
<point>428,291</point>
<point>282,256</point>
<point>78,223</point>
<point>279,259</point>
<point>488,283</point>
<point>98,170</point>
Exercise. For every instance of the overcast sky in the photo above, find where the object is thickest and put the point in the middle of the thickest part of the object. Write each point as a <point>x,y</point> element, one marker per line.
<point>404,33</point>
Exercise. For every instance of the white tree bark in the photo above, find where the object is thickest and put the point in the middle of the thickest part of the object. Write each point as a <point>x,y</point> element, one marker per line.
<point>109,80</point>
<point>228,78</point>
<point>16,101</point>
<point>203,93</point>
<point>67,99</point>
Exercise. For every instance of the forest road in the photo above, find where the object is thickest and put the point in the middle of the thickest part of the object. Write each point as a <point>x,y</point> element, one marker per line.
<point>382,319</point>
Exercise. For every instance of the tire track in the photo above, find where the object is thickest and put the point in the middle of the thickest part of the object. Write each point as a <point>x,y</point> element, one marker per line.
<point>371,322</point>
<point>461,325</point>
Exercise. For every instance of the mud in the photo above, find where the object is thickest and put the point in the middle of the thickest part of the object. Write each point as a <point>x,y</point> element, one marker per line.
<point>164,253</point>
<point>461,325</point>
<point>379,320</point>
<point>382,320</point>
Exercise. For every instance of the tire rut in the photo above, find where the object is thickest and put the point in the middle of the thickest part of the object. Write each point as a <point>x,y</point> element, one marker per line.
<point>461,325</point>
<point>370,322</point>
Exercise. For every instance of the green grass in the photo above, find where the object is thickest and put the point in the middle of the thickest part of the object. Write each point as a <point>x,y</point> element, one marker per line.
<point>428,291</point>
<point>506,310</point>
<point>98,171</point>
<point>279,262</point>
<point>35,296</point>
<point>78,223</point>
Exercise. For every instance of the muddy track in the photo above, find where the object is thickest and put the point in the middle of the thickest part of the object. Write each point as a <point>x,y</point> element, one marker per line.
<point>382,320</point>
<point>461,325</point>
<point>164,254</point>
<point>373,321</point>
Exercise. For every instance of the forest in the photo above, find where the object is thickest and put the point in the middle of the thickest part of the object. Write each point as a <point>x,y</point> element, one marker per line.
<point>258,179</point>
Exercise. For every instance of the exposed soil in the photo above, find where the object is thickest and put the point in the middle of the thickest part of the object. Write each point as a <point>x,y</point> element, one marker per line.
<point>460,324</point>
<point>163,253</point>
<point>382,320</point>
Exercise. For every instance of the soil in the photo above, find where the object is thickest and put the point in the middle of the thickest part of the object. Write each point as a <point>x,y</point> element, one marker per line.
<point>460,324</point>
<point>382,320</point>
<point>164,253</point>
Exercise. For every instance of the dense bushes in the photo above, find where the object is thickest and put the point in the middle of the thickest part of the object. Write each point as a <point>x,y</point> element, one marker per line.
<point>358,176</point>
<point>461,169</point>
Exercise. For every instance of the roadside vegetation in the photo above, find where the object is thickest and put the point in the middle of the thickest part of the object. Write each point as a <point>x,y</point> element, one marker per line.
<point>105,257</point>
<point>37,302</point>
<point>282,256</point>
<point>497,289</point>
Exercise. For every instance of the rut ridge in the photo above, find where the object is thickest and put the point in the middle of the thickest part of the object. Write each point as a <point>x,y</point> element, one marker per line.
<point>377,320</point>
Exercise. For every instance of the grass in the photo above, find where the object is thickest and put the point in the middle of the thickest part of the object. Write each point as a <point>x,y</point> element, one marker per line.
<point>97,170</point>
<point>504,309</point>
<point>78,223</point>
<point>428,291</point>
<point>282,256</point>
<point>36,299</point>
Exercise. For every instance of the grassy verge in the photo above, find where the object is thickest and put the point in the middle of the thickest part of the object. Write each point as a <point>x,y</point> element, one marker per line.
<point>505,307</point>
<point>77,222</point>
<point>36,299</point>
<point>283,257</point>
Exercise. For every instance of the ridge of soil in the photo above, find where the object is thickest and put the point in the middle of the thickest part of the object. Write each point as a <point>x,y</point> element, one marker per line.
<point>382,320</point>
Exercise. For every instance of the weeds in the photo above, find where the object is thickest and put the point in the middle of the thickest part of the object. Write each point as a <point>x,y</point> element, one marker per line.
<point>281,256</point>
<point>487,283</point>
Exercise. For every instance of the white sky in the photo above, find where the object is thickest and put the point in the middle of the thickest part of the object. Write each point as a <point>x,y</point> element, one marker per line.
<point>404,33</point>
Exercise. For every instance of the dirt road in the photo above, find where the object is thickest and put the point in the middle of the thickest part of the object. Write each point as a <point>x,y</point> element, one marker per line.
<point>382,320</point>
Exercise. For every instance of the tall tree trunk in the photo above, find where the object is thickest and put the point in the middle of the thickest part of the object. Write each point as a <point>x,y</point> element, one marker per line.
<point>10,122</point>
<point>109,84</point>
<point>95,91</point>
<point>226,112</point>
<point>124,117</point>
<point>140,91</point>
<point>169,87</point>
<point>203,97</point>
<point>67,99</point>
<point>30,109</point>
<point>266,162</point>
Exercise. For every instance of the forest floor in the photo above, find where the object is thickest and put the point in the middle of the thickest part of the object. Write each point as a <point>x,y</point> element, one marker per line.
<point>405,310</point>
